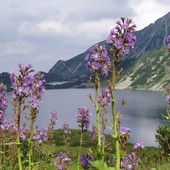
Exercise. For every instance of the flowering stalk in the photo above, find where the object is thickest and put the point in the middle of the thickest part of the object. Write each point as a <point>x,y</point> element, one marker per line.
<point>98,63</point>
<point>37,89</point>
<point>83,117</point>
<point>97,87</point>
<point>21,89</point>
<point>122,40</point>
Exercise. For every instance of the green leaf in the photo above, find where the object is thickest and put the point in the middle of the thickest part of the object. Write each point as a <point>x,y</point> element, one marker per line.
<point>101,165</point>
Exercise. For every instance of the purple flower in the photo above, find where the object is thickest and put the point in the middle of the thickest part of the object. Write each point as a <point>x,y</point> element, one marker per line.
<point>53,120</point>
<point>66,128</point>
<point>62,161</point>
<point>130,162</point>
<point>138,146</point>
<point>83,117</point>
<point>98,60</point>
<point>3,102</point>
<point>37,89</point>
<point>168,98</point>
<point>10,125</point>
<point>125,130</point>
<point>85,160</point>
<point>105,97</point>
<point>122,38</point>
<point>22,83</point>
<point>43,135</point>
<point>94,135</point>
<point>168,40</point>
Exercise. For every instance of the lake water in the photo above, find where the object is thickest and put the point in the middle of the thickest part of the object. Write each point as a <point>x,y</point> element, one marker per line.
<point>142,113</point>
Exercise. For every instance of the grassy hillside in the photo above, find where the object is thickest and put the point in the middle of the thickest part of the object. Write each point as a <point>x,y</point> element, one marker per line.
<point>150,72</point>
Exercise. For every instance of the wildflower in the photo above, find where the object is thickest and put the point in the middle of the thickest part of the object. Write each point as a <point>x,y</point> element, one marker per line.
<point>85,160</point>
<point>168,40</point>
<point>122,38</point>
<point>21,84</point>
<point>37,89</point>
<point>105,97</point>
<point>94,135</point>
<point>53,120</point>
<point>130,162</point>
<point>3,102</point>
<point>43,135</point>
<point>138,146</point>
<point>83,117</point>
<point>125,130</point>
<point>98,60</point>
<point>66,128</point>
<point>62,161</point>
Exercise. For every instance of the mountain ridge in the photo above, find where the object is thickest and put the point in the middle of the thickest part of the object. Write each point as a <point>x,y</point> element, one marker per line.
<point>150,40</point>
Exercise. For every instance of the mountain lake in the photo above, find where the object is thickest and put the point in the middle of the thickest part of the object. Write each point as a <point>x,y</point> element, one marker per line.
<point>142,112</point>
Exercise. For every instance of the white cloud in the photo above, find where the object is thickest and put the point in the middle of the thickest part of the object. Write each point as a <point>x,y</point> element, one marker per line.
<point>42,32</point>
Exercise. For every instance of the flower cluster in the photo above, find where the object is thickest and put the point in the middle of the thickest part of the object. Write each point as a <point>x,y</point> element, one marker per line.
<point>22,83</point>
<point>122,38</point>
<point>94,135</point>
<point>98,60</point>
<point>138,146</point>
<point>43,135</point>
<point>130,162</point>
<point>85,160</point>
<point>37,90</point>
<point>83,117</point>
<point>12,127</point>
<point>28,84</point>
<point>66,128</point>
<point>125,130</point>
<point>105,98</point>
<point>53,120</point>
<point>3,102</point>
<point>62,161</point>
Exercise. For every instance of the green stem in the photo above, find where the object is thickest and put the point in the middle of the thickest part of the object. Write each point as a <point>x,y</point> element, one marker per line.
<point>115,119</point>
<point>97,87</point>
<point>18,135</point>
<point>31,145</point>
<point>81,141</point>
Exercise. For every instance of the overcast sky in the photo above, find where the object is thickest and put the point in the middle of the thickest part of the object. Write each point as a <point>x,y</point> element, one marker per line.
<point>41,32</point>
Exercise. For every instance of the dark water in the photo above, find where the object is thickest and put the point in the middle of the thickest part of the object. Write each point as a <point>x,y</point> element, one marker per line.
<point>142,112</point>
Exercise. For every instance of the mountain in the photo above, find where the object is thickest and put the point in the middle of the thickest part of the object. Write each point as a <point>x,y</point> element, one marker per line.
<point>144,67</point>
<point>149,39</point>
<point>150,72</point>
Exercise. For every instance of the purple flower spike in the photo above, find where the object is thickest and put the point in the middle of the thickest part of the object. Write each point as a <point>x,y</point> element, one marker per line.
<point>66,128</point>
<point>98,60</point>
<point>83,117</point>
<point>85,160</point>
<point>62,161</point>
<point>122,38</point>
<point>125,130</point>
<point>105,97</point>
<point>138,145</point>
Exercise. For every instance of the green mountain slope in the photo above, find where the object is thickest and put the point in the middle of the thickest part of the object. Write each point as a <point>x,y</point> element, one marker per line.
<point>150,72</point>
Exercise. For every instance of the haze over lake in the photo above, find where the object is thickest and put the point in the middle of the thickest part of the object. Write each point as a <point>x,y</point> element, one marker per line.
<point>142,113</point>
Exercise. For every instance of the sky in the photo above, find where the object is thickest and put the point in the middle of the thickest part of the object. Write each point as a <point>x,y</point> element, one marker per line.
<point>41,32</point>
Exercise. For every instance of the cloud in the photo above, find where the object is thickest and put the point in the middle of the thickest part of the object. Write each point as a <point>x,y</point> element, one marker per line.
<point>41,32</point>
